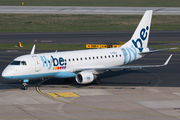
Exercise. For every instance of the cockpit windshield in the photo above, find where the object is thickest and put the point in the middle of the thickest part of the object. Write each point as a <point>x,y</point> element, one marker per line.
<point>15,63</point>
<point>18,63</point>
<point>23,63</point>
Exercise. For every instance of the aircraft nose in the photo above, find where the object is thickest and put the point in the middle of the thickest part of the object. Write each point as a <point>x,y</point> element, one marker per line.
<point>6,73</point>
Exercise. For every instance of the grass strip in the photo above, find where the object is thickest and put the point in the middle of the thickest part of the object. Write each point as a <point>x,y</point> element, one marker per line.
<point>41,46</point>
<point>71,23</point>
<point>122,3</point>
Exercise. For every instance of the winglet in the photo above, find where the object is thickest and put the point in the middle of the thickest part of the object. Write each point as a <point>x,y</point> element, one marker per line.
<point>167,61</point>
<point>33,49</point>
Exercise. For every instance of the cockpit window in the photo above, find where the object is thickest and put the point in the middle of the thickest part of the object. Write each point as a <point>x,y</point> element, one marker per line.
<point>18,63</point>
<point>15,63</point>
<point>23,63</point>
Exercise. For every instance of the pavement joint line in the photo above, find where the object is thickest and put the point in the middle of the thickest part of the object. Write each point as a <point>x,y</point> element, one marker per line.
<point>87,87</point>
<point>5,61</point>
<point>64,118</point>
<point>9,90</point>
<point>45,95</point>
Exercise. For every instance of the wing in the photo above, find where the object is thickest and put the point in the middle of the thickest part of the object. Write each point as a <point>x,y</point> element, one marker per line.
<point>121,67</point>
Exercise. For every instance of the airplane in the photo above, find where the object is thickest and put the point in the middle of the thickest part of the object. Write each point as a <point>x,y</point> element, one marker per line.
<point>84,65</point>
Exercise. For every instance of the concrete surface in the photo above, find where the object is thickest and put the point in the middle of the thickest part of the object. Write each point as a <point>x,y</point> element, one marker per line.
<point>89,10</point>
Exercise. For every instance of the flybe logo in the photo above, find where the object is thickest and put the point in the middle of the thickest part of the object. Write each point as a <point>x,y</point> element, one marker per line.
<point>143,35</point>
<point>130,54</point>
<point>54,63</point>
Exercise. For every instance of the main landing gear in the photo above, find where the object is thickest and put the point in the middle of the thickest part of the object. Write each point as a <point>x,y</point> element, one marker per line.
<point>24,84</point>
<point>97,81</point>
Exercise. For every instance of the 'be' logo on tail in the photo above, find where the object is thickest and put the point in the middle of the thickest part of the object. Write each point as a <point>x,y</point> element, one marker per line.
<point>143,36</point>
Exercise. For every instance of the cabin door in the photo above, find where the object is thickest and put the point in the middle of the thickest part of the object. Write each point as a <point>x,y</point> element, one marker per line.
<point>37,63</point>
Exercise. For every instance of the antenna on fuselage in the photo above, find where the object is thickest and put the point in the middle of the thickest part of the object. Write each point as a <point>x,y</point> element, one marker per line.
<point>33,49</point>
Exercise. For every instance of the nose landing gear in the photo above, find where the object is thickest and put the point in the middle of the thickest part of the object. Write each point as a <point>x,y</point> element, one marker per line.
<point>24,84</point>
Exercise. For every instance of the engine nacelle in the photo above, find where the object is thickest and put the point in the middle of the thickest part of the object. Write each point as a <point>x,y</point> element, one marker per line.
<point>85,77</point>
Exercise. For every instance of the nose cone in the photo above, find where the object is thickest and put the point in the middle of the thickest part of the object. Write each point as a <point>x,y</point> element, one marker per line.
<point>7,73</point>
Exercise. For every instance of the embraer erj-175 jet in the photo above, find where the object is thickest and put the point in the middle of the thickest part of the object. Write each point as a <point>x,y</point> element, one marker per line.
<point>84,65</point>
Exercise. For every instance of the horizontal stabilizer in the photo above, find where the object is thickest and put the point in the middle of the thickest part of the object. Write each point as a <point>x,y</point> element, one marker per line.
<point>152,51</point>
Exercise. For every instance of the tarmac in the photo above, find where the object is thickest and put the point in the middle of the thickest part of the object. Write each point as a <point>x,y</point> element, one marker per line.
<point>88,10</point>
<point>146,94</point>
<point>84,37</point>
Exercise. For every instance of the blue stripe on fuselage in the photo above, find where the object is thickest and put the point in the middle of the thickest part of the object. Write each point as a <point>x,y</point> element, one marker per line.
<point>42,75</point>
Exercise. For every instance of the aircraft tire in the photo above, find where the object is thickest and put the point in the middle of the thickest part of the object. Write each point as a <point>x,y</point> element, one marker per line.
<point>97,81</point>
<point>24,87</point>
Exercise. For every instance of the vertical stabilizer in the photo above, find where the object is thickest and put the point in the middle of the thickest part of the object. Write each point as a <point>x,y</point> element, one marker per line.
<point>141,35</point>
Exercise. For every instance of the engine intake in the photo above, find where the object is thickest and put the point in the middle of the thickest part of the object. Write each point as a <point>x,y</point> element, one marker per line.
<point>85,77</point>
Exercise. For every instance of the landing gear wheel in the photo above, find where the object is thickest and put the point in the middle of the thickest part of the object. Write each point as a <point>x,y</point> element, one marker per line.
<point>97,81</point>
<point>24,86</point>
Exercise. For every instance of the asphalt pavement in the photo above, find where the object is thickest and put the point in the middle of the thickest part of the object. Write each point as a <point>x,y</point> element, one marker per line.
<point>84,37</point>
<point>150,93</point>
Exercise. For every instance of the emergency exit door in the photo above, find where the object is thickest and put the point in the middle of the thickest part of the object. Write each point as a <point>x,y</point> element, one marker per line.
<point>37,63</point>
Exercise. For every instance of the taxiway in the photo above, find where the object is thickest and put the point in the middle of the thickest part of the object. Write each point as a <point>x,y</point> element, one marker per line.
<point>145,94</point>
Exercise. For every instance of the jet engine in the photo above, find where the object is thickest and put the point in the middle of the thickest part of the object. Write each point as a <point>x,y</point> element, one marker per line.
<point>85,77</point>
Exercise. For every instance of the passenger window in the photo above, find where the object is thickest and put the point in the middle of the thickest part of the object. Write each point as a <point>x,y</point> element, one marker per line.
<point>101,57</point>
<point>105,56</point>
<point>89,57</point>
<point>45,62</point>
<point>73,59</point>
<point>120,55</point>
<point>77,59</point>
<point>85,58</point>
<point>69,60</point>
<point>81,58</point>
<point>112,55</point>
<point>93,57</point>
<point>116,55</point>
<point>97,57</point>
<point>109,56</point>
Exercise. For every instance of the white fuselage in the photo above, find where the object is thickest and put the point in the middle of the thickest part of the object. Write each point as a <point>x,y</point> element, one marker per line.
<point>59,64</point>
